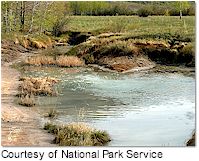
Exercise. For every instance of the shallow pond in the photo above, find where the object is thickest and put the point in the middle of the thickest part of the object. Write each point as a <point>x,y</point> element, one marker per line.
<point>135,109</point>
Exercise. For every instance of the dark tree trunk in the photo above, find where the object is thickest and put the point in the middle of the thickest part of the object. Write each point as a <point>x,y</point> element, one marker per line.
<point>22,15</point>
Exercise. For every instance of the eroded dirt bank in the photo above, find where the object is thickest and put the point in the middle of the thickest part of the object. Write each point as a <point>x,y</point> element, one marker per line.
<point>20,126</point>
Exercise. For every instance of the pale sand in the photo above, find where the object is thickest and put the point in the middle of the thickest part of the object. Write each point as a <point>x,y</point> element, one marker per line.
<point>20,126</point>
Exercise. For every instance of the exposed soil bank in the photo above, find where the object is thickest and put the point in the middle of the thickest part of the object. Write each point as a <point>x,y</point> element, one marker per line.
<point>114,52</point>
<point>20,126</point>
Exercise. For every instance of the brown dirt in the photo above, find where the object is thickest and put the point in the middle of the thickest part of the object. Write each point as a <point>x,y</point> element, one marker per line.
<point>20,126</point>
<point>125,63</point>
<point>10,51</point>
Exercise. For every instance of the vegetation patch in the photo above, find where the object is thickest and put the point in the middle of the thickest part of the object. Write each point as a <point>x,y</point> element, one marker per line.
<point>27,100</point>
<point>62,61</point>
<point>40,60</point>
<point>144,12</point>
<point>41,41</point>
<point>77,134</point>
<point>52,113</point>
<point>69,61</point>
<point>31,87</point>
<point>120,54</point>
<point>37,86</point>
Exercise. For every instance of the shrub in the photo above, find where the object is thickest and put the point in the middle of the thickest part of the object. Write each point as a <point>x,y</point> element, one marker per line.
<point>100,137</point>
<point>51,128</point>
<point>58,26</point>
<point>187,55</point>
<point>144,12</point>
<point>89,59</point>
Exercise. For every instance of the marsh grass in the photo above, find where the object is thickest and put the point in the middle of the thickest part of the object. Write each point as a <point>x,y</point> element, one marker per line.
<point>62,61</point>
<point>38,86</point>
<point>69,61</point>
<point>40,60</point>
<point>51,128</point>
<point>31,87</point>
<point>77,134</point>
<point>52,113</point>
<point>27,100</point>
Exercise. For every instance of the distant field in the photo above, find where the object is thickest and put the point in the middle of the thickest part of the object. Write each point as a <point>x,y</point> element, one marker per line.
<point>134,24</point>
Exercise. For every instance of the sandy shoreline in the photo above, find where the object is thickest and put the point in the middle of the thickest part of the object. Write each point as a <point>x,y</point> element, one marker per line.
<point>20,126</point>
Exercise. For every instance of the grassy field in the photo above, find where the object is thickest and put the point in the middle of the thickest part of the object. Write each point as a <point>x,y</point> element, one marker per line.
<point>134,25</point>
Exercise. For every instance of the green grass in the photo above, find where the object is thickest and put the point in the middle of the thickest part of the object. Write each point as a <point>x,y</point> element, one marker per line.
<point>131,25</point>
<point>134,25</point>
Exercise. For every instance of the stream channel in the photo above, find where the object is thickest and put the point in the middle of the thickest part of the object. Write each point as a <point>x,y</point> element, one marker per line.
<point>136,109</point>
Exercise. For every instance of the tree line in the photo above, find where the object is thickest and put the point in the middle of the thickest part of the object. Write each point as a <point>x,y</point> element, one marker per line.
<point>30,16</point>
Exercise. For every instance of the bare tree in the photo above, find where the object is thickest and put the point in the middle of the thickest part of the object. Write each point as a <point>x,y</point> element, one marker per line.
<point>22,15</point>
<point>16,15</point>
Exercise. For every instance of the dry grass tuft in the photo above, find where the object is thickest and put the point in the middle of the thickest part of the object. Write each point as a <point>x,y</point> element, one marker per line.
<point>40,60</point>
<point>37,86</point>
<point>62,61</point>
<point>77,134</point>
<point>69,61</point>
<point>31,87</point>
<point>27,100</point>
<point>52,113</point>
<point>38,44</point>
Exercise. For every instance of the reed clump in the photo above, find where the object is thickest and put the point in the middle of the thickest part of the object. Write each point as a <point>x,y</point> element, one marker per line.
<point>52,113</point>
<point>40,60</point>
<point>31,87</point>
<point>27,100</point>
<point>77,134</point>
<point>69,61</point>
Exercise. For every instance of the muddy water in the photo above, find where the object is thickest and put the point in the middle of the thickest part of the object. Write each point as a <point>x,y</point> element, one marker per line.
<point>135,109</point>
